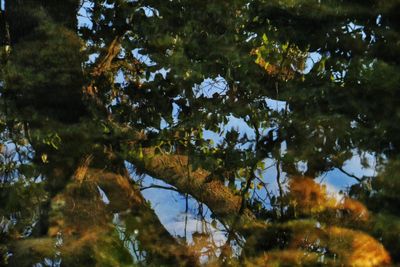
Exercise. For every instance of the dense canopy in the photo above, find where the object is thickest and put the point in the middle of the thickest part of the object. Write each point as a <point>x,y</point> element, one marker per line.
<point>189,133</point>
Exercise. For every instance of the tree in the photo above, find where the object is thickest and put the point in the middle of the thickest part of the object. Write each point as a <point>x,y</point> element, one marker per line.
<point>143,82</point>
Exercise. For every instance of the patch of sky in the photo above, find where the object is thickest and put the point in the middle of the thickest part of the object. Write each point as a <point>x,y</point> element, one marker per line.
<point>379,20</point>
<point>149,129</point>
<point>49,262</point>
<point>216,138</point>
<point>251,36</point>
<point>283,148</point>
<point>301,166</point>
<point>360,165</point>
<point>145,59</point>
<point>14,156</point>
<point>241,126</point>
<point>84,15</point>
<point>163,72</point>
<point>175,111</point>
<point>211,87</point>
<point>235,124</point>
<point>103,196</point>
<point>276,105</point>
<point>164,124</point>
<point>92,58</point>
<point>218,86</point>
<point>268,177</point>
<point>120,77</point>
<point>355,29</point>
<point>312,59</point>
<point>180,216</point>
<point>149,11</point>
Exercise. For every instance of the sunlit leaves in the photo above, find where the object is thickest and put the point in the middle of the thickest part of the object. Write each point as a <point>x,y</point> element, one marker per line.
<point>280,60</point>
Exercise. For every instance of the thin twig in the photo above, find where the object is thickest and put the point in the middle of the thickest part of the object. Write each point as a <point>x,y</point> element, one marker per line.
<point>159,187</point>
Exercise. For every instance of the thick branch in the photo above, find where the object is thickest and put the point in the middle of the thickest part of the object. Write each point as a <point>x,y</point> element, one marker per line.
<point>176,170</point>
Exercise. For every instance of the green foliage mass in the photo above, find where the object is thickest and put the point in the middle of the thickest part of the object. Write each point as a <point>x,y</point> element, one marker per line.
<point>148,82</point>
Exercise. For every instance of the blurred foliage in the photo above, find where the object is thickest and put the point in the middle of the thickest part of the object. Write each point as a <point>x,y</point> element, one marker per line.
<point>225,101</point>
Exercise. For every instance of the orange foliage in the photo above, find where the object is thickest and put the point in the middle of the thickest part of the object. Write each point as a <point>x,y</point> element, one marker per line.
<point>283,73</point>
<point>351,247</point>
<point>310,197</point>
<point>356,248</point>
<point>355,209</point>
